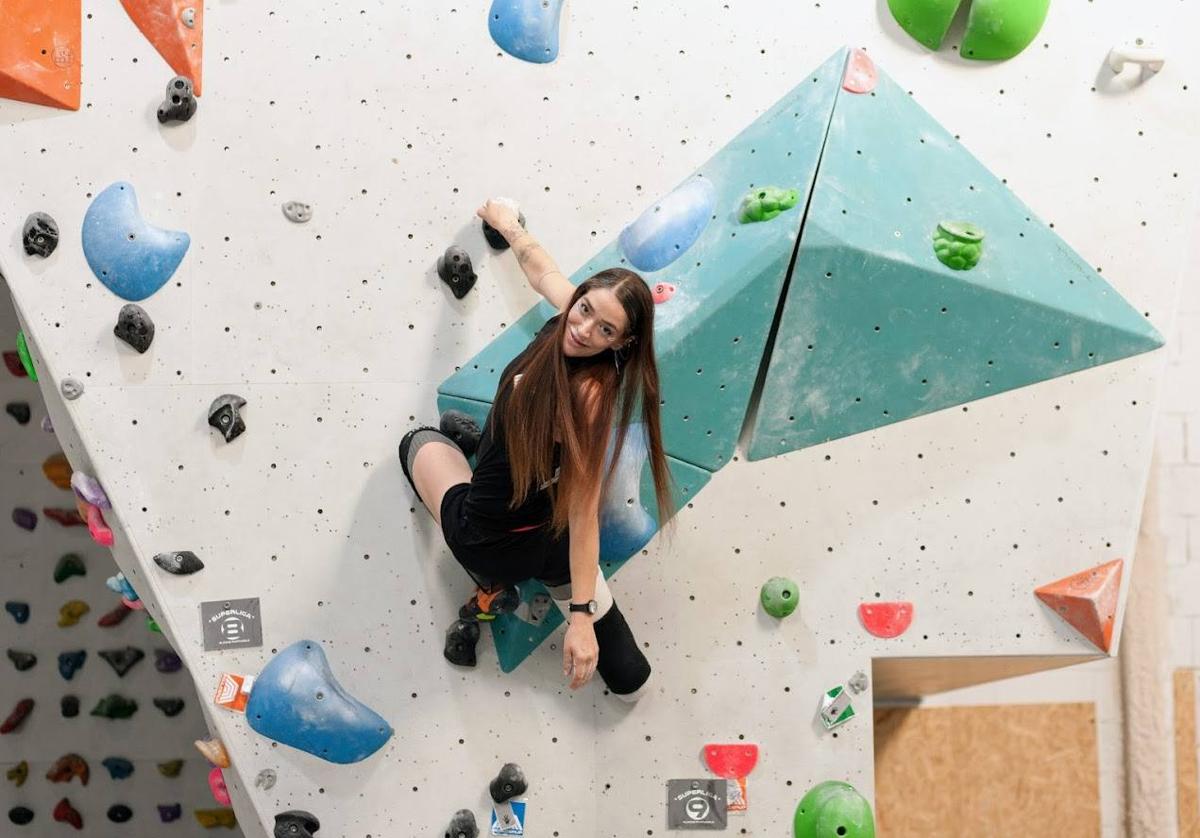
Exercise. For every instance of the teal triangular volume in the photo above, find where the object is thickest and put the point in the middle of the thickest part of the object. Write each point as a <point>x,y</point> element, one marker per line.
<point>710,336</point>
<point>876,329</point>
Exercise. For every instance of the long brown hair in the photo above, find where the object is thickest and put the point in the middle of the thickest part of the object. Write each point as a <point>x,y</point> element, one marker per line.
<point>550,398</point>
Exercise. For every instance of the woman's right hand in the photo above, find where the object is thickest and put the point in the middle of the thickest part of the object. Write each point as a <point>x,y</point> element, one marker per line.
<point>500,214</point>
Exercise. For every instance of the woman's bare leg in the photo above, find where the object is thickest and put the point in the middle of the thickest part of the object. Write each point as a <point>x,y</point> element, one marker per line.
<point>437,467</point>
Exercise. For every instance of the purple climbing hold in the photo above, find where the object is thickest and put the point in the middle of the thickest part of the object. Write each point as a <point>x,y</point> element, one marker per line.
<point>19,610</point>
<point>24,518</point>
<point>89,489</point>
<point>167,661</point>
<point>168,812</point>
<point>19,411</point>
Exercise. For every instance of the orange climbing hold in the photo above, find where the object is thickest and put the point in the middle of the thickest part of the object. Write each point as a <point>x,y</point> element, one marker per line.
<point>1088,601</point>
<point>39,52</point>
<point>176,29</point>
<point>58,470</point>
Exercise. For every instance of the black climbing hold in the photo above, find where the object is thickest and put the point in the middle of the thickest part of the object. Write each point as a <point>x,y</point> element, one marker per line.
<point>509,783</point>
<point>169,706</point>
<point>463,825</point>
<point>223,414</point>
<point>135,327</point>
<point>495,238</point>
<point>22,660</point>
<point>180,562</point>
<point>71,662</point>
<point>39,235</point>
<point>180,103</point>
<point>119,813</point>
<point>20,815</point>
<point>122,660</point>
<point>460,642</point>
<point>462,429</point>
<point>296,823</point>
<point>19,411</point>
<point>454,268</point>
<point>69,705</point>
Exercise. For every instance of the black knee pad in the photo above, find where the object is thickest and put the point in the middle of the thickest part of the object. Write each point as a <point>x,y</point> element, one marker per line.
<point>622,665</point>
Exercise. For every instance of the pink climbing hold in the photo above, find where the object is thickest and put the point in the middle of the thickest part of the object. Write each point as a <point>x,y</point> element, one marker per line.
<point>97,527</point>
<point>1087,600</point>
<point>132,604</point>
<point>860,73</point>
<point>886,619</point>
<point>216,783</point>
<point>662,292</point>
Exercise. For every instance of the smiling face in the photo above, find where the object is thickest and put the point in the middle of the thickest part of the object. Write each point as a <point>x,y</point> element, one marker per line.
<point>596,322</point>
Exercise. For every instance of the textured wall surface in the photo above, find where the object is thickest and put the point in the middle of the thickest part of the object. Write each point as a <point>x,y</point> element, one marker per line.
<point>395,123</point>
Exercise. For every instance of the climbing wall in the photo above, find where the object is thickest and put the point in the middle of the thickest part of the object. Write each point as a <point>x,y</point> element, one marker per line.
<point>393,125</point>
<point>38,574</point>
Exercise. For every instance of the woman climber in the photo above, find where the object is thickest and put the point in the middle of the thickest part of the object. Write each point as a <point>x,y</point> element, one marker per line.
<point>531,509</point>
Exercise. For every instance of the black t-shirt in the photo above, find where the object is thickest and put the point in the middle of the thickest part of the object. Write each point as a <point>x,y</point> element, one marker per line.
<point>486,504</point>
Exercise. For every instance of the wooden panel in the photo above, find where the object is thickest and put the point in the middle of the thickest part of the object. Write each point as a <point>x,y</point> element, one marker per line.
<point>1185,753</point>
<point>1028,770</point>
<point>907,678</point>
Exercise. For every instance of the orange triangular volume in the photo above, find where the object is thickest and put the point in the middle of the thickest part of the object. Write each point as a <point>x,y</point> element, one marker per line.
<point>39,52</point>
<point>1088,601</point>
<point>165,25</point>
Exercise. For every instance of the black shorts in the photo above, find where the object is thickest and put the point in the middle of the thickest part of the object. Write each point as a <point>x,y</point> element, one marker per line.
<point>504,558</point>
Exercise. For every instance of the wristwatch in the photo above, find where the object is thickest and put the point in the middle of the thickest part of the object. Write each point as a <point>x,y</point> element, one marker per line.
<point>588,607</point>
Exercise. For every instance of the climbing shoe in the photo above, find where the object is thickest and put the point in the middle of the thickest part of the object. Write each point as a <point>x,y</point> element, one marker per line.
<point>485,605</point>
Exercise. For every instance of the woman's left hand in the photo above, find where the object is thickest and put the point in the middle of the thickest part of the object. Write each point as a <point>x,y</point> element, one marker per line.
<point>580,652</point>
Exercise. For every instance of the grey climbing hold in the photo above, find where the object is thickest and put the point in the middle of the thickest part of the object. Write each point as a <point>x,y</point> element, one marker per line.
<point>858,682</point>
<point>71,388</point>
<point>539,607</point>
<point>23,661</point>
<point>265,779</point>
<point>39,235</point>
<point>224,415</point>
<point>69,706</point>
<point>509,783</point>
<point>47,425</point>
<point>460,642</point>
<point>296,823</point>
<point>454,269</point>
<point>461,428</point>
<point>135,327</point>
<point>463,825</point>
<point>495,238</point>
<point>297,211</point>
<point>19,411</point>
<point>180,103</point>
<point>122,660</point>
<point>170,706</point>
<point>188,16</point>
<point>179,562</point>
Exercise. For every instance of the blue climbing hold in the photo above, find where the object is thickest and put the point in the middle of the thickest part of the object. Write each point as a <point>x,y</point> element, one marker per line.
<point>526,29</point>
<point>19,610</point>
<point>625,525</point>
<point>297,701</point>
<point>71,662</point>
<point>131,258</point>
<point>118,767</point>
<point>120,585</point>
<point>663,232</point>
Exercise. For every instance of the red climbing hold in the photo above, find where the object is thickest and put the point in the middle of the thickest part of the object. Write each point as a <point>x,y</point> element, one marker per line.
<point>860,73</point>
<point>17,716</point>
<point>64,812</point>
<point>12,360</point>
<point>1088,601</point>
<point>886,619</point>
<point>114,617</point>
<point>66,517</point>
<point>733,762</point>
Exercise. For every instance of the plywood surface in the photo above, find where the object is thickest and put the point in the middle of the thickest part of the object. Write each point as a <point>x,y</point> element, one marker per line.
<point>1028,770</point>
<point>1186,767</point>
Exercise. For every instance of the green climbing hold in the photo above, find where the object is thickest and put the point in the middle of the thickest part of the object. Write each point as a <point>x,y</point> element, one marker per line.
<point>958,244</point>
<point>170,768</point>
<point>152,625</point>
<point>779,596</point>
<point>69,565</point>
<point>925,20</point>
<point>766,203</point>
<point>1000,29</point>
<point>834,809</point>
<point>26,361</point>
<point>115,706</point>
